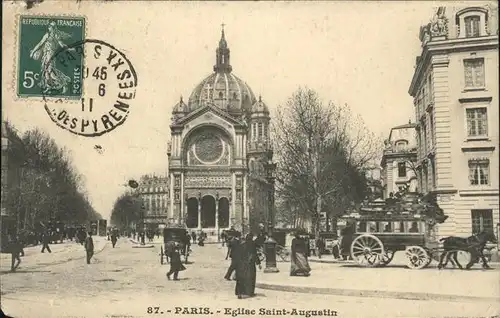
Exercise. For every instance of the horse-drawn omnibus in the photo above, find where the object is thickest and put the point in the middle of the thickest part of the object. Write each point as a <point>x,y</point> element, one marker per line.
<point>172,236</point>
<point>407,223</point>
<point>376,238</point>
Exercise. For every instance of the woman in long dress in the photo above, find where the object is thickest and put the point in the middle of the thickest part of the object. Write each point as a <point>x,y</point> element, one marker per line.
<point>51,78</point>
<point>299,264</point>
<point>246,273</point>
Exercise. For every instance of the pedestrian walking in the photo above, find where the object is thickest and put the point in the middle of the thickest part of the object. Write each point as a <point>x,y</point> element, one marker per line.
<point>114,238</point>
<point>45,241</point>
<point>233,249</point>
<point>193,236</point>
<point>299,264</point>
<point>15,251</point>
<point>89,247</point>
<point>175,262</point>
<point>320,246</point>
<point>246,273</point>
<point>223,238</point>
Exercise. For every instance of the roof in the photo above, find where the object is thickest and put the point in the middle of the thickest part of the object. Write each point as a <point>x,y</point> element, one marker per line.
<point>409,125</point>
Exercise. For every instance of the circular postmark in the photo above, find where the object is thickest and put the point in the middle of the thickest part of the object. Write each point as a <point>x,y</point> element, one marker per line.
<point>104,78</point>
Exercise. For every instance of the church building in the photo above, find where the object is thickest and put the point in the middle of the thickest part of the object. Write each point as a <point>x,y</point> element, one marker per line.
<point>218,153</point>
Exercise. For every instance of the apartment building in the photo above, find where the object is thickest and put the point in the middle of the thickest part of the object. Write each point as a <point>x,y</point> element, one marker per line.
<point>455,91</point>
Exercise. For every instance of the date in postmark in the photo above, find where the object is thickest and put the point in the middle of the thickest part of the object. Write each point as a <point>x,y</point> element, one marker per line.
<point>109,83</point>
<point>40,37</point>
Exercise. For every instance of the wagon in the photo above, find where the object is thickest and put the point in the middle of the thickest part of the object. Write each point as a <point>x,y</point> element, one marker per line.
<point>377,238</point>
<point>173,235</point>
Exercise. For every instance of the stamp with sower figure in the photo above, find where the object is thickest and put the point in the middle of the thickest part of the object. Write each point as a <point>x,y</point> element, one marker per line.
<point>40,38</point>
<point>93,73</point>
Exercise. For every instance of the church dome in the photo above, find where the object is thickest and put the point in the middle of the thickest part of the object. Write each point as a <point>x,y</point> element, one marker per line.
<point>222,88</point>
<point>260,107</point>
<point>180,107</point>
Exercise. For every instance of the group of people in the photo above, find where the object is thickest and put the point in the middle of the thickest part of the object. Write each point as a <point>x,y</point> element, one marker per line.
<point>15,247</point>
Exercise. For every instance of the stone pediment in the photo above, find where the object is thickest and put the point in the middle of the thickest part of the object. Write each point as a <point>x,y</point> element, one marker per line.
<point>209,114</point>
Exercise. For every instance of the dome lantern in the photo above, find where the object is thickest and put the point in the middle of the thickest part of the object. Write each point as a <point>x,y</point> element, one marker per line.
<point>222,89</point>
<point>222,55</point>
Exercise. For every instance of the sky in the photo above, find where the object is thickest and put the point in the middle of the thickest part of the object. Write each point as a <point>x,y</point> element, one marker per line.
<point>357,53</point>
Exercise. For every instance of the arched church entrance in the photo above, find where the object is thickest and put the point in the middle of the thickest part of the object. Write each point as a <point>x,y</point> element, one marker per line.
<point>192,213</point>
<point>223,212</point>
<point>208,211</point>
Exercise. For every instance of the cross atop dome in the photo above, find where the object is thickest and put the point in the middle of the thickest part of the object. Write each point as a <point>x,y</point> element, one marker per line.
<point>222,55</point>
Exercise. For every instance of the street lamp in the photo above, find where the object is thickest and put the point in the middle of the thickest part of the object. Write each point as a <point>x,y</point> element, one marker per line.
<point>270,243</point>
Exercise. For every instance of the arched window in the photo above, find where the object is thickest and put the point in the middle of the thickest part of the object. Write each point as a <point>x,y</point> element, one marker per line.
<point>221,94</point>
<point>472,22</point>
<point>234,96</point>
<point>401,145</point>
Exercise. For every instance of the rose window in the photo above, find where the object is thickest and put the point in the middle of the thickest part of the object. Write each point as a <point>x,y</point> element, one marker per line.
<point>208,147</point>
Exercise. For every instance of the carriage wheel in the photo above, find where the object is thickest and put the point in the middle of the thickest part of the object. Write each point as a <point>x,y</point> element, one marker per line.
<point>386,258</point>
<point>161,255</point>
<point>417,257</point>
<point>367,250</point>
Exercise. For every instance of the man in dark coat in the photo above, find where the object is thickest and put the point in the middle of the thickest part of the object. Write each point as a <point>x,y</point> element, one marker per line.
<point>45,241</point>
<point>89,247</point>
<point>193,236</point>
<point>347,237</point>
<point>114,237</point>
<point>233,249</point>
<point>246,273</point>
<point>175,263</point>
<point>320,246</point>
<point>15,250</point>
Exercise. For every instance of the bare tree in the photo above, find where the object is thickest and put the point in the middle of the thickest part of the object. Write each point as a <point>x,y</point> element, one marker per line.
<point>321,150</point>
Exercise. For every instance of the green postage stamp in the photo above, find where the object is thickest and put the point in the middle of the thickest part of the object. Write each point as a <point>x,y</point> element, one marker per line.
<point>41,71</point>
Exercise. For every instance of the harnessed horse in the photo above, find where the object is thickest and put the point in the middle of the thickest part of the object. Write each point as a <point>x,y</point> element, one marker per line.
<point>473,244</point>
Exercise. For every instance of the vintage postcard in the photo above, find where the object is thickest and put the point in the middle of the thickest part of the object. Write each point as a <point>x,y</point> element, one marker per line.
<point>249,159</point>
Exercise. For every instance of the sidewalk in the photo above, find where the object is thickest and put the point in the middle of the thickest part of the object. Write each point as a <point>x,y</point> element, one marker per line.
<point>61,253</point>
<point>395,281</point>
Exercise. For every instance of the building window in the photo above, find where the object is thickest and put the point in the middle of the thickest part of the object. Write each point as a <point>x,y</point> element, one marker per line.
<point>429,87</point>
<point>477,122</point>
<point>479,172</point>
<point>254,131</point>
<point>433,172</point>
<point>424,96</point>
<point>424,141</point>
<point>402,169</point>
<point>260,130</point>
<point>401,145</point>
<point>474,73</point>
<point>482,220</point>
<point>472,26</point>
<point>425,180</point>
<point>431,129</point>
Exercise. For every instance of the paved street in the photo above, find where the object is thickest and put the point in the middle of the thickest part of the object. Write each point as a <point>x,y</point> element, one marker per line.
<point>396,279</point>
<point>126,281</point>
<point>33,259</point>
